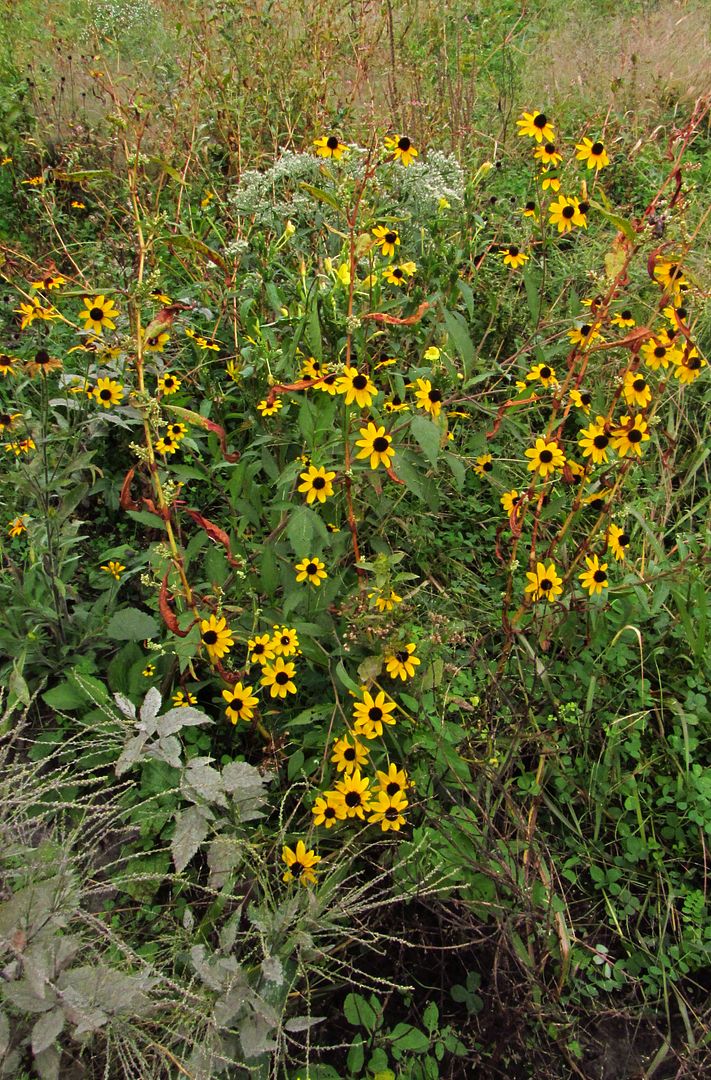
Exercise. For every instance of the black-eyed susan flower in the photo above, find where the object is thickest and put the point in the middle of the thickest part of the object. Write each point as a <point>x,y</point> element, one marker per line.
<point>312,368</point>
<point>115,568</point>
<point>168,383</point>
<point>330,146</point>
<point>300,864</point>
<point>388,811</point>
<point>385,602</point>
<point>279,678</point>
<point>20,446</point>
<point>529,209</point>
<point>376,445</point>
<point>564,214</point>
<point>393,782</point>
<point>354,792</point>
<point>269,410</point>
<point>216,636</point>
<point>51,281</point>
<point>240,702</point>
<point>327,384</point>
<point>356,387</point>
<point>42,364</point>
<point>260,649</point>
<point>17,526</point>
<point>545,457</point>
<point>676,315</point>
<point>34,181</point>
<point>311,570</point>
<point>581,399</point>
<point>536,125</point>
<point>285,641</point>
<point>629,436</point>
<point>108,392</point>
<point>8,420</point>
<point>183,698</point>
<point>156,343</point>
<point>544,584</point>
<point>386,239</point>
<point>98,313</point>
<point>149,670</point>
<point>34,309</point>
<point>371,713</point>
<point>395,405</point>
<point>77,204</point>
<point>594,579</point>
<point>398,275</point>
<point>177,431</point>
<point>584,334</point>
<point>401,664</point>
<point>547,153</point>
<point>592,153</point>
<point>484,464</point>
<point>670,276</point>
<point>317,484</point>
<point>688,365</point>
<point>7,365</point>
<point>549,179</point>
<point>428,398</point>
<point>583,208</point>
<point>635,390</point>
<point>513,256</point>
<point>623,318</point>
<point>402,149</point>
<point>617,541</point>
<point>328,809</point>
<point>656,355</point>
<point>595,441</point>
<point>509,500</point>
<point>166,444</point>
<point>348,756</point>
<point>544,374</point>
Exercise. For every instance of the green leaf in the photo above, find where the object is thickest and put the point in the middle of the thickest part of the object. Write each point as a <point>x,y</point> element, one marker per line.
<point>64,697</point>
<point>459,333</point>
<point>458,470</point>
<point>428,436</point>
<point>300,531</point>
<point>620,223</point>
<point>130,624</point>
<point>321,195</point>
<point>358,1012</point>
<point>532,283</point>
<point>405,1037</point>
<point>345,678</point>
<point>312,333</point>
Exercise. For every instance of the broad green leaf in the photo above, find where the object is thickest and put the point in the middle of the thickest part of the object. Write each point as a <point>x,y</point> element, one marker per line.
<point>428,435</point>
<point>459,333</point>
<point>130,624</point>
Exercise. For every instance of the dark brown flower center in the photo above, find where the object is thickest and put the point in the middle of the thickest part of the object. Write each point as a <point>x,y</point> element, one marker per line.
<point>487,466</point>
<point>392,788</point>
<point>600,442</point>
<point>168,382</point>
<point>285,640</point>
<point>329,813</point>
<point>41,356</point>
<point>281,678</point>
<point>360,382</point>
<point>390,237</point>
<point>391,814</point>
<point>353,799</point>
<point>545,456</point>
<point>5,419</point>
<point>435,396</point>
<point>349,754</point>
<point>332,142</point>
<point>597,148</point>
<point>623,539</point>
<point>398,273</point>
<point>530,205</point>
<point>380,444</point>
<point>639,385</point>
<point>402,657</point>
<point>583,207</point>
<point>682,313</point>
<point>96,314</point>
<point>585,329</point>
<point>549,148</point>
<point>257,650</point>
<point>660,352</point>
<point>404,143</point>
<point>635,435</point>
<point>105,394</point>
<point>513,250</point>
<point>586,398</point>
<point>568,211</point>
<point>545,372</point>
<point>318,482</point>
<point>237,704</point>
<point>694,363</point>
<point>375,714</point>
<point>312,568</point>
<point>599,576</point>
<point>540,120</point>
<point>209,637</point>
<point>626,314</point>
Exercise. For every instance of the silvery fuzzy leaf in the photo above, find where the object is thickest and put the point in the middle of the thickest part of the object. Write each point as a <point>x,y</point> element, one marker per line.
<point>223,856</point>
<point>149,709</point>
<point>191,828</point>
<point>216,972</point>
<point>22,996</point>
<point>255,1037</point>
<point>47,1064</point>
<point>303,1023</point>
<point>131,754</point>
<point>126,707</point>
<point>46,1030</point>
<point>168,750</point>
<point>273,970</point>
<point>178,718</point>
<point>201,781</point>
<point>4,1033</point>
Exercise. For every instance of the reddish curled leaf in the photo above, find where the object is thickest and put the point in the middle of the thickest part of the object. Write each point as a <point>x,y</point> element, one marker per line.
<point>151,507</point>
<point>126,500</point>
<point>215,533</point>
<point>497,544</point>
<point>210,425</point>
<point>392,320</point>
<point>392,475</point>
<point>285,388</point>
<point>502,409</point>
<point>169,616</point>
<point>677,191</point>
<point>230,677</point>
<point>652,262</point>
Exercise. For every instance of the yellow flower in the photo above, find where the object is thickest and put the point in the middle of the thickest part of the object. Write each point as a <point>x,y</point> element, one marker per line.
<point>108,393</point>
<point>393,782</point>
<point>22,447</point>
<point>327,383</point>
<point>398,275</point>
<point>166,444</point>
<point>356,387</point>
<point>114,568</point>
<point>353,789</point>
<point>330,146</point>
<point>432,353</point>
<point>529,209</point>
<point>513,256</point>
<point>376,445</point>
<point>623,318</point>
<point>177,431</point>
<point>585,334</point>
<point>261,649</point>
<point>168,384</point>
<point>402,663</point>
<point>51,281</point>
<point>401,149</point>
<point>34,181</point>
<point>544,584</point>
<point>371,713</point>
<point>630,435</point>
<point>149,671</point>
<point>549,180</point>
<point>17,526</point>
<point>564,213</point>
<point>348,756</point>
<point>657,355</point>
<point>483,465</point>
<point>428,398</point>
<point>670,276</point>
<point>688,365</point>
<point>593,153</point>
<point>387,811</point>
<point>546,457</point>
<point>328,809</point>
<point>285,641</point>
<point>78,205</point>
<point>547,154</point>
<point>544,373</point>
<point>7,365</point>
<point>269,410</point>
<point>509,500</point>
<point>594,579</point>
<point>594,441</point>
<point>636,390</point>
<point>42,364</point>
<point>386,239</point>
<point>537,126</point>
<point>157,342</point>
<point>240,702</point>
<point>98,313</point>
<point>581,399</point>
<point>278,676</point>
<point>317,484</point>
<point>385,603</point>
<point>313,368</point>
<point>617,541</point>
<point>32,310</point>
<point>300,864</point>
<point>216,636</point>
<point>207,199</point>
<point>311,570</point>
<point>181,699</point>
<point>7,420</point>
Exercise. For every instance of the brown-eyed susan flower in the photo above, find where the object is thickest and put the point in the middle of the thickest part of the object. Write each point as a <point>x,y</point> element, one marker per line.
<point>398,275</point>
<point>371,713</point>
<point>8,420</point>
<point>357,387</point>
<point>240,702</point>
<point>77,204</point>
<point>623,318</point>
<point>98,313</point>
<point>34,309</point>
<point>34,181</point>
<point>617,541</point>
<point>395,405</point>
<point>536,125</point>
<point>17,526</point>
<point>584,334</point>
<point>383,602</point>
<point>183,698</point>
<point>330,146</point>
<point>484,464</point>
<point>278,677</point>
<point>656,355</point>
<point>7,365</point>
<point>676,315</point>
<point>592,153</point>
<point>300,864</point>
<point>216,636</point>
<point>402,663</point>
<point>42,363</point>
<point>108,392</point>
<point>402,149</point>
<point>161,297</point>
<point>388,811</point>
<point>328,809</point>
<point>285,641</point>
<point>375,445</point>
<point>544,584</point>
<point>544,374</point>
<point>328,383</point>
<point>176,430</point>
<point>509,500</point>
<point>393,782</point>
<point>157,343</point>
<point>168,383</point>
<point>563,212</point>
<point>428,398</point>
<point>166,444</point>
<point>311,570</point>
<point>51,281</point>
<point>317,484</point>
<point>312,368</point>
<point>513,256</point>
<point>348,756</point>
<point>583,208</point>
<point>149,670</point>
<point>688,365</point>
<point>545,457</point>
<point>547,153</point>
<point>353,789</point>
<point>261,649</point>
<point>530,209</point>
<point>581,399</point>
<point>594,579</point>
<point>595,441</point>
<point>269,410</point>
<point>115,568</point>
<point>20,446</point>
<point>635,390</point>
<point>386,239</point>
<point>549,179</point>
<point>629,436</point>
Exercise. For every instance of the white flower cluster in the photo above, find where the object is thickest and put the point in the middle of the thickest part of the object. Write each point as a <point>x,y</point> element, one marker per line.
<point>423,185</point>
<point>274,196</point>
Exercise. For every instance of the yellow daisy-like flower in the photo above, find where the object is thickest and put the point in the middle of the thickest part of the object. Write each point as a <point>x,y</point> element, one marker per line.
<point>317,484</point>
<point>629,436</point>
<point>108,392</point>
<point>544,584</point>
<point>536,125</point>
<point>564,213</point>
<point>270,410</point>
<point>581,399</point>
<point>483,465</point>
<point>530,209</point>
<point>402,149</point>
<point>51,281</point>
<point>549,179</point>
<point>584,334</point>
<point>593,153</point>
<point>216,636</point>
<point>311,570</point>
<point>78,205</point>
<point>428,398</point>
<point>670,276</point>
<point>595,441</point>
<point>371,713</point>
<point>114,568</point>
<point>7,365</point>
<point>594,579</point>
<point>278,677</point>
<point>348,756</point>
<point>17,526</point>
<point>285,641</point>
<point>261,649</point>
<point>300,864</point>
<point>623,318</point>
<point>676,315</point>
<point>617,541</point>
<point>98,313</point>
<point>386,239</point>
<point>548,154</point>
<point>398,275</point>
<point>328,809</point>
<point>353,789</point>
<point>636,390</point>
<point>34,181</point>
<point>330,146</point>
<point>656,355</point>
<point>22,447</point>
<point>183,698</point>
<point>545,457</point>
<point>42,364</point>
<point>432,353</point>
<point>166,444</point>
<point>402,663</point>
<point>157,343</point>
<point>7,420</point>
<point>388,811</point>
<point>393,782</point>
<point>149,671</point>
<point>356,387</point>
<point>376,445</point>
<point>509,500</point>
<point>313,368</point>
<point>688,365</point>
<point>544,374</point>
<point>513,256</point>
<point>385,603</point>
<point>168,383</point>
<point>177,431</point>
<point>395,405</point>
<point>34,309</point>
<point>240,702</point>
<point>328,383</point>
